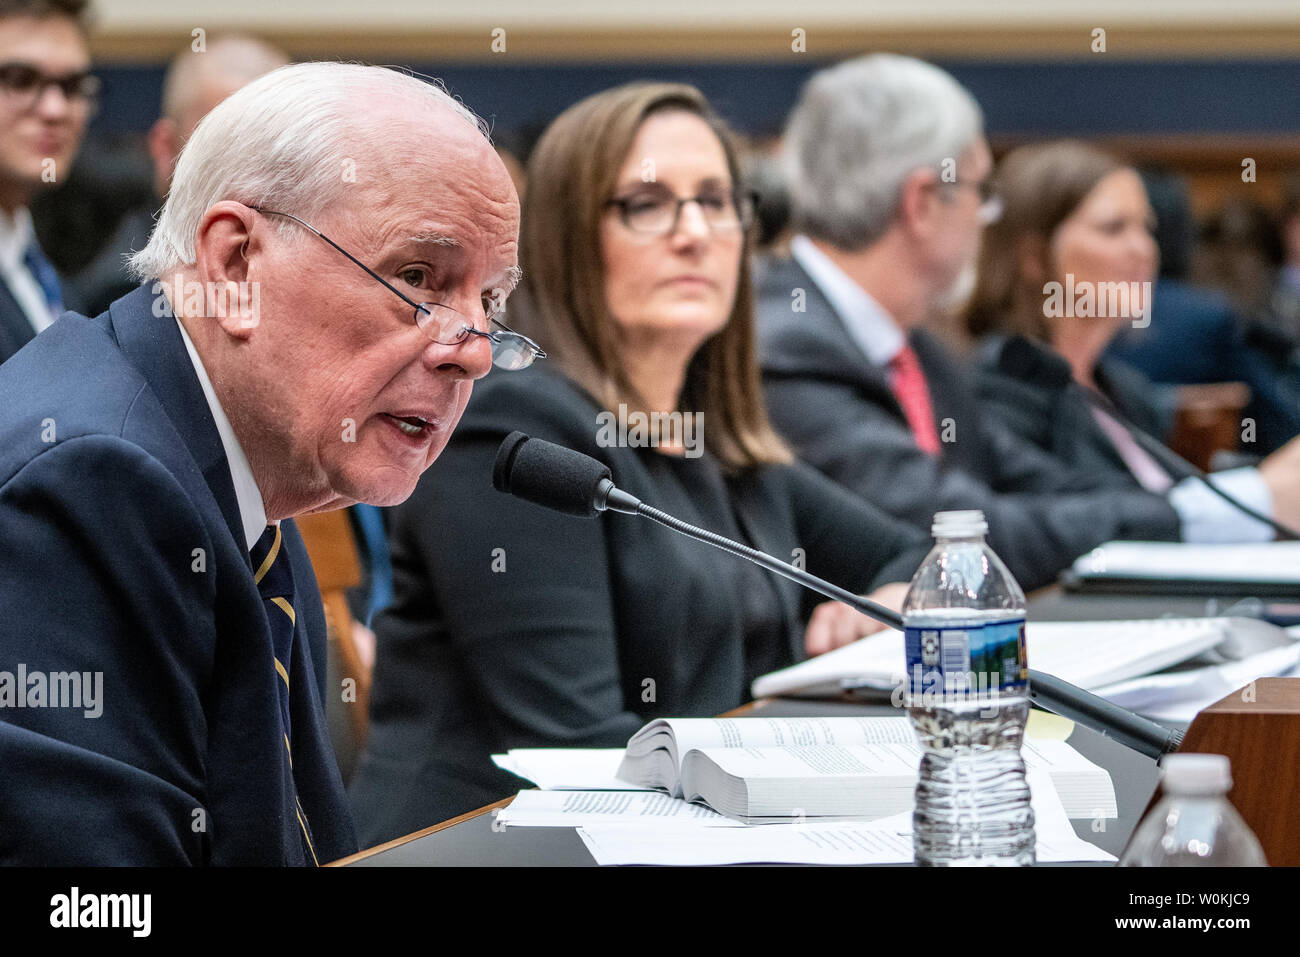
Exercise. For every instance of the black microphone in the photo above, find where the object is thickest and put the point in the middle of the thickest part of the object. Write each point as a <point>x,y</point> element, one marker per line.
<point>560,478</point>
<point>1021,359</point>
<point>547,474</point>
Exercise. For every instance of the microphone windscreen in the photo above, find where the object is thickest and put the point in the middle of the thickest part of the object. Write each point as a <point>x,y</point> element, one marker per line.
<point>548,474</point>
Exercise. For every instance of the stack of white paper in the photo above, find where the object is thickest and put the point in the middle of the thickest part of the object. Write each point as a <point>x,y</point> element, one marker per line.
<point>885,841</point>
<point>1090,654</point>
<point>629,808</point>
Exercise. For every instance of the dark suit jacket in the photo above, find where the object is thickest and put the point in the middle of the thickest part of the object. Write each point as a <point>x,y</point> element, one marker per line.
<point>516,626</point>
<point>1034,395</point>
<point>15,328</point>
<point>105,278</point>
<point>112,479</point>
<point>839,411</point>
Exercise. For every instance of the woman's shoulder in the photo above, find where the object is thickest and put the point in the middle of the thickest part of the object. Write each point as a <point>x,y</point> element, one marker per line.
<point>1021,384</point>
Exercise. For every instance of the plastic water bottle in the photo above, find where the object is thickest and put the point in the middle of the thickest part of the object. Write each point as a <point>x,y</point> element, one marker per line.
<point>968,681</point>
<point>1193,824</point>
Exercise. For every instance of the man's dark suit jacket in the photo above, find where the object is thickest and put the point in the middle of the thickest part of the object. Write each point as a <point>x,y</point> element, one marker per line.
<point>839,412</point>
<point>15,328</point>
<point>1031,391</point>
<point>122,552</point>
<point>516,626</point>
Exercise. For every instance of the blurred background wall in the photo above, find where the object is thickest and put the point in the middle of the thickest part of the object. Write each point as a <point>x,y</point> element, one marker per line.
<point>1197,85</point>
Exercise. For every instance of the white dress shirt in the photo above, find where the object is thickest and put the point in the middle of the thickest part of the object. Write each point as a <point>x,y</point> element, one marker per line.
<point>252,511</point>
<point>871,327</point>
<point>16,234</point>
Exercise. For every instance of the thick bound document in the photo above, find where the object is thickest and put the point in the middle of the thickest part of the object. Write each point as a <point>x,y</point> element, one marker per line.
<point>1267,570</point>
<point>764,770</point>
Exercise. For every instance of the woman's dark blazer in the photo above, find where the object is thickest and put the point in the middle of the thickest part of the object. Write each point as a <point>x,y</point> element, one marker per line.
<point>1029,387</point>
<point>517,626</point>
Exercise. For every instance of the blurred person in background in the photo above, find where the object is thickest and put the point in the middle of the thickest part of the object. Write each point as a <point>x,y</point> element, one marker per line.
<point>47,93</point>
<point>1197,335</point>
<point>1076,217</point>
<point>1284,305</point>
<point>1277,333</point>
<point>889,174</point>
<point>195,82</point>
<point>1238,254</point>
<point>516,626</point>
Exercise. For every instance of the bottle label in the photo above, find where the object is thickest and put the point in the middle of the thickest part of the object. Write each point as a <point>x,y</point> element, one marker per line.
<point>969,661</point>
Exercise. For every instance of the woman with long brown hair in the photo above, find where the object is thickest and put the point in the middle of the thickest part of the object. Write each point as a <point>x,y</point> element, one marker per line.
<point>1070,262</point>
<point>515,626</point>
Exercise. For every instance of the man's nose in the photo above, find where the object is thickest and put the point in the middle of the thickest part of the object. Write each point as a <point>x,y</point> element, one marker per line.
<point>471,358</point>
<point>52,102</point>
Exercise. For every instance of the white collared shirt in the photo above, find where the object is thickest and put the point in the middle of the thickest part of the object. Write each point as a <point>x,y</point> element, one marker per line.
<point>252,511</point>
<point>872,328</point>
<point>16,234</point>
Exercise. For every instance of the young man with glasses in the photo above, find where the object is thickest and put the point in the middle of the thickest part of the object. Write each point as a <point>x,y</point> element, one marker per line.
<point>47,94</point>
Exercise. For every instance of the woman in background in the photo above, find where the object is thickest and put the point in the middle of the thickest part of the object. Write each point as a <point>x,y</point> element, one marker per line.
<point>516,626</point>
<point>1076,226</point>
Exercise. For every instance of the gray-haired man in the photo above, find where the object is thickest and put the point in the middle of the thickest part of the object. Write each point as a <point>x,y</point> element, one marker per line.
<point>888,172</point>
<point>333,244</point>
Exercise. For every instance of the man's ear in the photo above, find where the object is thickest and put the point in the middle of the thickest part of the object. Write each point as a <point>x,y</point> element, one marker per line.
<point>917,201</point>
<point>225,250</point>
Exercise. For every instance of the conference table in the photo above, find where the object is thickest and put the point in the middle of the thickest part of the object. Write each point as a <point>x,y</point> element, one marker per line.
<point>476,839</point>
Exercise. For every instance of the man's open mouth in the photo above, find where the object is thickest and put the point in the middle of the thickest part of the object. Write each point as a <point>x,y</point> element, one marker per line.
<point>409,424</point>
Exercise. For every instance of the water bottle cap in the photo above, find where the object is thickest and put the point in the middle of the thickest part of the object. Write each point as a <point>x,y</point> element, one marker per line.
<point>1196,773</point>
<point>960,524</point>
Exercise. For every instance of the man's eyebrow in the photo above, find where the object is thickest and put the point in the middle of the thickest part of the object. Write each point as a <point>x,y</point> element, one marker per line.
<point>513,275</point>
<point>434,239</point>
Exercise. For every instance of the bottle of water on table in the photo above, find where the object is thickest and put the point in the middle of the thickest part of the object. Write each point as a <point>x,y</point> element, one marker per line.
<point>968,683</point>
<point>1193,824</point>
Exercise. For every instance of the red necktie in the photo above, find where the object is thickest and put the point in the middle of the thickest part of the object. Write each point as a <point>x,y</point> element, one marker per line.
<point>908,382</point>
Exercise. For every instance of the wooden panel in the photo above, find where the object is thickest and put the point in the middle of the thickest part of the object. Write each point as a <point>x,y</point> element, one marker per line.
<point>333,550</point>
<point>1258,728</point>
<point>1208,420</point>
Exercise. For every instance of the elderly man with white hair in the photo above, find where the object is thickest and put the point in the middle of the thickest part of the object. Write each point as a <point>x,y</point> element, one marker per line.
<point>889,176</point>
<point>321,295</point>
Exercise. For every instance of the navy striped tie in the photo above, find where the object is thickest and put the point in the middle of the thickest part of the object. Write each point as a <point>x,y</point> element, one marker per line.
<point>273,573</point>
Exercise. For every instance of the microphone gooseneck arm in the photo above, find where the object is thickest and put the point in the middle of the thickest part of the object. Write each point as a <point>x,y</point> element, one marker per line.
<point>1047,691</point>
<point>560,478</point>
<point>1131,730</point>
<point>1180,467</point>
<point>865,605</point>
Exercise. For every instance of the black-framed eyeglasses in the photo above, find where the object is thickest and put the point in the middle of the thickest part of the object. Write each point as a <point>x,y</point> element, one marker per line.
<point>443,324</point>
<point>23,84</point>
<point>657,214</point>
